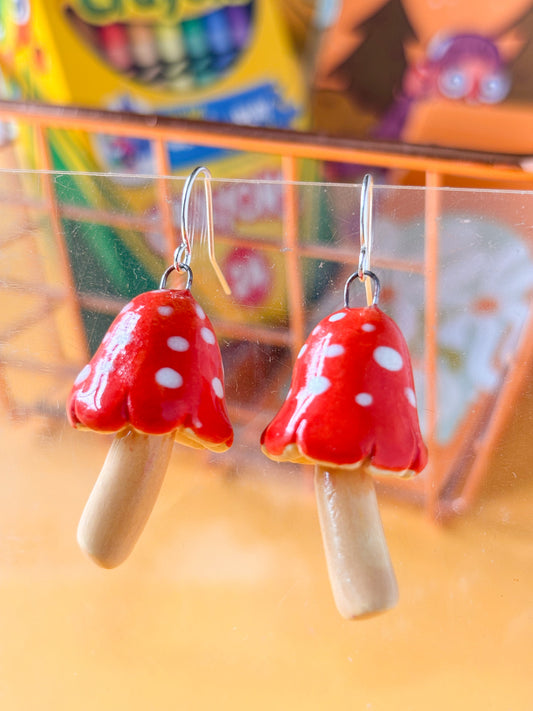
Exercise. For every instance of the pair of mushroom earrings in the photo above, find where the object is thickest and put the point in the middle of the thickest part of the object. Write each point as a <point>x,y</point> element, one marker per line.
<point>157,377</point>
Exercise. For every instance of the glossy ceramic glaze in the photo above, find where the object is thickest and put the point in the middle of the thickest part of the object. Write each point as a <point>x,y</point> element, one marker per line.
<point>352,398</point>
<point>158,369</point>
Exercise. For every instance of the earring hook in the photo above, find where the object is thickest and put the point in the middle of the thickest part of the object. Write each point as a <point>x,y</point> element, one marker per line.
<point>366,234</point>
<point>183,253</point>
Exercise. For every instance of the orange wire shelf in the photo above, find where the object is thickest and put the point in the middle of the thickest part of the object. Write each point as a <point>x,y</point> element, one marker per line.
<point>454,475</point>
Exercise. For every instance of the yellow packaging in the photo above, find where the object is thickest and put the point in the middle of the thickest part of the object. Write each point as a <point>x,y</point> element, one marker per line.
<point>203,59</point>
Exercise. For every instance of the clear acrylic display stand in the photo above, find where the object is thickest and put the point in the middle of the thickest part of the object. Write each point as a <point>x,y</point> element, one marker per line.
<point>456,268</point>
<point>225,602</point>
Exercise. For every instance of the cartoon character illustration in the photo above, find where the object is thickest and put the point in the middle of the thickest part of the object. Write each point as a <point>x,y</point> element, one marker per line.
<point>462,68</point>
<point>385,60</point>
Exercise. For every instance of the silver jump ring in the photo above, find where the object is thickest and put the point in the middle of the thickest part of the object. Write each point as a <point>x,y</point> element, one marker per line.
<point>355,275</point>
<point>178,267</point>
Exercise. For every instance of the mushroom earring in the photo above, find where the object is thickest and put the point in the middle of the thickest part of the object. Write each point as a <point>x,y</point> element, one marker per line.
<point>157,377</point>
<point>351,411</point>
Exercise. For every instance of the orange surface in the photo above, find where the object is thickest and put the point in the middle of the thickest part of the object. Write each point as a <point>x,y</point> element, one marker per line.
<point>225,602</point>
<point>508,128</point>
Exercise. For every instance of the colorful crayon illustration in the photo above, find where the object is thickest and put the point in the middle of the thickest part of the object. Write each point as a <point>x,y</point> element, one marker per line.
<point>229,62</point>
<point>194,51</point>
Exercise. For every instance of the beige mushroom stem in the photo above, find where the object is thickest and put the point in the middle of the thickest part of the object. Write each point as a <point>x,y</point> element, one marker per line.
<point>123,496</point>
<point>359,565</point>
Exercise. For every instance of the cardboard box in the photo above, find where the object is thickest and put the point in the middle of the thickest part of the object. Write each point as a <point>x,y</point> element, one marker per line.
<point>229,62</point>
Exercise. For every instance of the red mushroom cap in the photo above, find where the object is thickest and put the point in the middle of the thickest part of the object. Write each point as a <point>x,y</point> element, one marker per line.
<point>158,369</point>
<point>352,398</point>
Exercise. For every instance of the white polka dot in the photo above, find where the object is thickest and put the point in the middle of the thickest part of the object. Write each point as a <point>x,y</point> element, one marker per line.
<point>200,311</point>
<point>318,385</point>
<point>368,327</point>
<point>207,335</point>
<point>334,350</point>
<point>337,316</point>
<point>315,330</point>
<point>388,358</point>
<point>177,343</point>
<point>410,395</point>
<point>217,387</point>
<point>302,350</point>
<point>168,378</point>
<point>83,375</point>
<point>196,423</point>
<point>364,399</point>
<point>165,310</point>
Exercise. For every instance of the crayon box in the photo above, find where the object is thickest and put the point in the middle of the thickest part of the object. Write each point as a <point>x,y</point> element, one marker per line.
<point>207,59</point>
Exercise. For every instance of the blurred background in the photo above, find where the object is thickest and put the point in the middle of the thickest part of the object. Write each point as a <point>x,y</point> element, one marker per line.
<point>225,602</point>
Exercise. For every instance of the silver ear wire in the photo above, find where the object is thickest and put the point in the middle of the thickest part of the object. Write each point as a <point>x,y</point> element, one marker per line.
<point>183,254</point>
<point>365,225</point>
<point>185,248</point>
<point>363,272</point>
